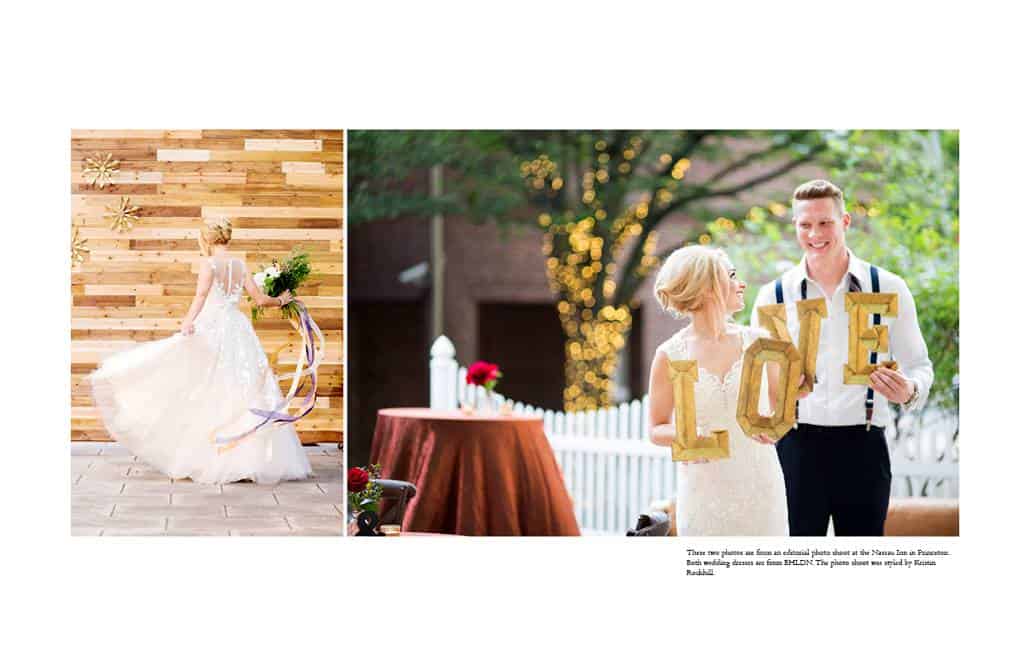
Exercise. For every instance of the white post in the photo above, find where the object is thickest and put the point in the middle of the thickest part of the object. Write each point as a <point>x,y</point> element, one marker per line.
<point>443,375</point>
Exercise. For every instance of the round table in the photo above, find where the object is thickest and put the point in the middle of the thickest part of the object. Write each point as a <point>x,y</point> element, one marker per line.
<point>475,475</point>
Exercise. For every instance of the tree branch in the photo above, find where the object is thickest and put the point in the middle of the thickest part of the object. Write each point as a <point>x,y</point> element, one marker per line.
<point>756,155</point>
<point>627,285</point>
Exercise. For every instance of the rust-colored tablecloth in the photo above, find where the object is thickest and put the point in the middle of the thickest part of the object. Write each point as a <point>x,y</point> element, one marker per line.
<point>483,476</point>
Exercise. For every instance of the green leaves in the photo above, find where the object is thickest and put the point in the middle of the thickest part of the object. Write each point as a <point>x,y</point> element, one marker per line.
<point>905,211</point>
<point>901,189</point>
<point>293,272</point>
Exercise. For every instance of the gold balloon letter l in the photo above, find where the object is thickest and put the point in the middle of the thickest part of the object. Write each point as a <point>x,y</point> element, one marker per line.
<point>688,445</point>
<point>863,338</point>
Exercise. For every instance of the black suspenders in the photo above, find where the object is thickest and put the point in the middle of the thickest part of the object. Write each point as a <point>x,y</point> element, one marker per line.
<point>853,285</point>
<point>874,275</point>
<point>779,300</point>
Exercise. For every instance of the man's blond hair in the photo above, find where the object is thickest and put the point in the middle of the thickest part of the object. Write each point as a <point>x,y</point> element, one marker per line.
<point>819,189</point>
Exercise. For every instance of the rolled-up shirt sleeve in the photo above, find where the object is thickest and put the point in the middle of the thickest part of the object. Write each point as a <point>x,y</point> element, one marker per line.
<point>909,348</point>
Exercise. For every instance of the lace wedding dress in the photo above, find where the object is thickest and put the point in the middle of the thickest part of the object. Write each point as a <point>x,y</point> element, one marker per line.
<point>742,495</point>
<point>168,400</point>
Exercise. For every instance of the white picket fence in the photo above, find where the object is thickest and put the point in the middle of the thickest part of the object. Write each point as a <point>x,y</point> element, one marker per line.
<point>613,472</point>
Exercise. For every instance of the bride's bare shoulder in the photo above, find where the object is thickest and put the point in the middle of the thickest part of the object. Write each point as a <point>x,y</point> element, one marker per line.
<point>673,344</point>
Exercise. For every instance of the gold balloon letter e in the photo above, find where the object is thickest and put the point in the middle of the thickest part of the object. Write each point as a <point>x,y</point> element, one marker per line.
<point>863,338</point>
<point>760,352</point>
<point>688,445</point>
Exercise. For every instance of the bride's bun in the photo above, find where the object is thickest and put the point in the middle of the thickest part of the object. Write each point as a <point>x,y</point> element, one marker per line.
<point>689,277</point>
<point>216,231</point>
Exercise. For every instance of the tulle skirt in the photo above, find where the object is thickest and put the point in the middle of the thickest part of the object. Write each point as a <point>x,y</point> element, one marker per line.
<point>168,400</point>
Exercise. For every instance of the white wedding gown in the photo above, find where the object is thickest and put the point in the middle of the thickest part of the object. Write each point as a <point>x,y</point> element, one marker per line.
<point>168,400</point>
<point>742,495</point>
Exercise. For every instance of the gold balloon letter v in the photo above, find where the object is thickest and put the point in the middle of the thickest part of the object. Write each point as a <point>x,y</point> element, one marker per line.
<point>811,313</point>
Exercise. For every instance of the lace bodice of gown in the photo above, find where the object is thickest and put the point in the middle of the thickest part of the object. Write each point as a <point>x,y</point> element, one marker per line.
<point>229,276</point>
<point>742,495</point>
<point>715,397</point>
<point>228,331</point>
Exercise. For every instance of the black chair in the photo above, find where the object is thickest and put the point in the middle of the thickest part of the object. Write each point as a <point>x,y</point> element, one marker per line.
<point>655,523</point>
<point>396,495</point>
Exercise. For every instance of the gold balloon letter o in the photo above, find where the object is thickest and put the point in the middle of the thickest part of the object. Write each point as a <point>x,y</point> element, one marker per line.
<point>688,445</point>
<point>762,351</point>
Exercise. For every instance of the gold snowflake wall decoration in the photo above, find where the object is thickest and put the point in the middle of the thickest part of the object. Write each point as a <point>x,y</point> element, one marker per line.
<point>123,215</point>
<point>100,169</point>
<point>79,249</point>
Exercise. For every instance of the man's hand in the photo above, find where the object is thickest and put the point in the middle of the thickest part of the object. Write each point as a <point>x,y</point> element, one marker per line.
<point>801,382</point>
<point>892,385</point>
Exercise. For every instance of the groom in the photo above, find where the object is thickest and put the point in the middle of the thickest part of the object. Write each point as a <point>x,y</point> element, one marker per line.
<point>835,463</point>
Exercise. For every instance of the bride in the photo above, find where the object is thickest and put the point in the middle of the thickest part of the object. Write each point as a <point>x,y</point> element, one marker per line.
<point>742,495</point>
<point>182,403</point>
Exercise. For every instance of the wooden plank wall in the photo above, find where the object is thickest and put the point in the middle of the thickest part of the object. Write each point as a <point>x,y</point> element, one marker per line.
<point>280,189</point>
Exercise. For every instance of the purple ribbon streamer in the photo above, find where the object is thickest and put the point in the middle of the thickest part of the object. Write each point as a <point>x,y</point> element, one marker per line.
<point>278,415</point>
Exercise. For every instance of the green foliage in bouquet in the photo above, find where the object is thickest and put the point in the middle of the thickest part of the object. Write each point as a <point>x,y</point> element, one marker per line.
<point>288,274</point>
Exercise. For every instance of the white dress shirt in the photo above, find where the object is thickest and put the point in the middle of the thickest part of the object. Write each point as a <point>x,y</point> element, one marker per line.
<point>832,402</point>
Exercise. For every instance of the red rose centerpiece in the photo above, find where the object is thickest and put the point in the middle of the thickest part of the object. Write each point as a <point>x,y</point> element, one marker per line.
<point>362,493</point>
<point>485,375</point>
<point>357,479</point>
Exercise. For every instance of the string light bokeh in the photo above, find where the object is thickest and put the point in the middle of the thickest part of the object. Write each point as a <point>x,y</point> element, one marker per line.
<point>583,246</point>
<point>598,221</point>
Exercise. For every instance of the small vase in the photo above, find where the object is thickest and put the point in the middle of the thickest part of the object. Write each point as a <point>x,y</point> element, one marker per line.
<point>486,403</point>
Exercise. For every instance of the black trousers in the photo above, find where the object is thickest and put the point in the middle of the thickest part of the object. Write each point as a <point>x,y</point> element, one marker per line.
<point>838,472</point>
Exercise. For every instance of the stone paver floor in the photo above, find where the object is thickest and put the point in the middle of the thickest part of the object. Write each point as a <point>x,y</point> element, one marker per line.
<point>114,494</point>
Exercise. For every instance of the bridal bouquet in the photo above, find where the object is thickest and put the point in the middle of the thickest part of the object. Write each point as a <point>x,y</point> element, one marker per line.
<point>280,276</point>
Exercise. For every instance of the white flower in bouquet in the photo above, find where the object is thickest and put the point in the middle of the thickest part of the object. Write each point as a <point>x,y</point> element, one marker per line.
<point>282,275</point>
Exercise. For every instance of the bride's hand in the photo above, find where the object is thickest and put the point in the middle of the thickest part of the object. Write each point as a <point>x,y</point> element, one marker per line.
<point>763,439</point>
<point>186,328</point>
<point>801,382</point>
<point>285,298</point>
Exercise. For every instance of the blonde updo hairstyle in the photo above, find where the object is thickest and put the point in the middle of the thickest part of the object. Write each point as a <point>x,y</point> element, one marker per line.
<point>690,277</point>
<point>216,231</point>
